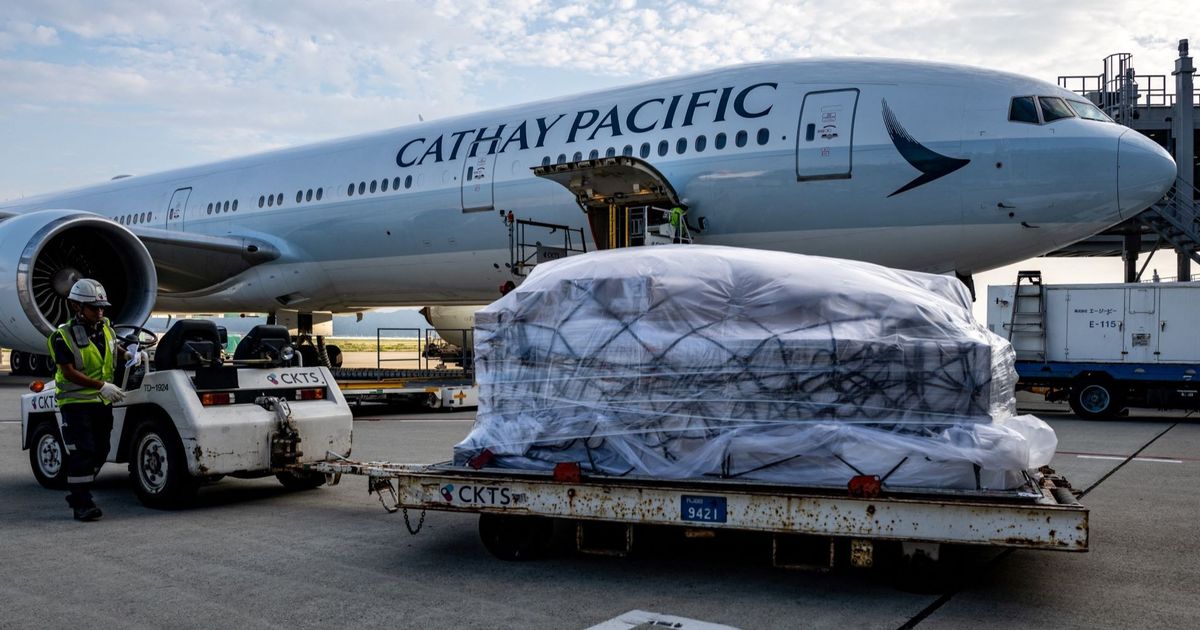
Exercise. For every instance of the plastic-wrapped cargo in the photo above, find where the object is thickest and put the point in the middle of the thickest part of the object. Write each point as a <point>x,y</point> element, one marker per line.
<point>695,361</point>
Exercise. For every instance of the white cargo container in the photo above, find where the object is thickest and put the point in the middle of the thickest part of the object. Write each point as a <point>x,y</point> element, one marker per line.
<point>1104,346</point>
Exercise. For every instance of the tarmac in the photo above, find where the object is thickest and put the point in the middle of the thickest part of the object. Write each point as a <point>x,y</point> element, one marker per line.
<point>253,555</point>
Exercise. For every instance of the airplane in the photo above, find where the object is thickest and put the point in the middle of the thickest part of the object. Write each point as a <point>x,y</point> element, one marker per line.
<point>925,166</point>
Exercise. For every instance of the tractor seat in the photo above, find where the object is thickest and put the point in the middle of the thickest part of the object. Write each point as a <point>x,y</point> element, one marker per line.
<point>189,344</point>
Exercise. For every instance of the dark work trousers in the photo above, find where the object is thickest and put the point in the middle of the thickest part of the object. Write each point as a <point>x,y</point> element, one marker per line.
<point>86,430</point>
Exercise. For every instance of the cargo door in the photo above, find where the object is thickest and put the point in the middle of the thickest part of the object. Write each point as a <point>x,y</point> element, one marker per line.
<point>1095,322</point>
<point>1141,325</point>
<point>1178,338</point>
<point>825,139</point>
<point>177,209</point>
<point>477,179</point>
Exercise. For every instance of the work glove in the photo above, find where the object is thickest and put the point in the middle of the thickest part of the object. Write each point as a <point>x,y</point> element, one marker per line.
<point>111,393</point>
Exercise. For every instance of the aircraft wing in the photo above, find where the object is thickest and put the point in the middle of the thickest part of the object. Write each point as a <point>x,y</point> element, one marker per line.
<point>189,262</point>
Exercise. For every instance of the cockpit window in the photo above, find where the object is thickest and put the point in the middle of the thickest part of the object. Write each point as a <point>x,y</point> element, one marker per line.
<point>1023,110</point>
<point>1054,108</point>
<point>1088,111</point>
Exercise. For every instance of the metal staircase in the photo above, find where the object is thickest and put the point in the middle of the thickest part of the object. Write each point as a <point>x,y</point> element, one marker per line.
<point>1176,218</point>
<point>1027,324</point>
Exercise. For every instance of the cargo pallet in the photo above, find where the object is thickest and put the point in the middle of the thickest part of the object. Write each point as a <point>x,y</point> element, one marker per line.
<point>518,509</point>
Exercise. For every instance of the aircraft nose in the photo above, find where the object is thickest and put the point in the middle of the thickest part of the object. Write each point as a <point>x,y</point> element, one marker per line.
<point>1145,172</point>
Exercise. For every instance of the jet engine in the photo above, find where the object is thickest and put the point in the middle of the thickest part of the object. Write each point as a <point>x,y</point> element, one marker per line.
<point>43,253</point>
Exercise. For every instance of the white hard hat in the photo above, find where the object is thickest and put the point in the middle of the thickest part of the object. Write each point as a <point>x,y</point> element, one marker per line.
<point>88,291</point>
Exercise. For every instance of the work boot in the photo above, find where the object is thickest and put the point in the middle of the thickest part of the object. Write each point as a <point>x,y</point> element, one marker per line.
<point>87,514</point>
<point>84,508</point>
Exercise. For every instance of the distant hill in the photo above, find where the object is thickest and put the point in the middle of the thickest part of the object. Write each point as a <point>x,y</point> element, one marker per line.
<point>343,325</point>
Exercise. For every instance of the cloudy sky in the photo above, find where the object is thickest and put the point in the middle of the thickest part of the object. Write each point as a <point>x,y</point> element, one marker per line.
<point>96,88</point>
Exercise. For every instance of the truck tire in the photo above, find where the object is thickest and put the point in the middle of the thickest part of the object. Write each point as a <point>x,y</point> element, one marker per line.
<point>1095,399</point>
<point>335,356</point>
<point>515,537</point>
<point>158,467</point>
<point>300,480</point>
<point>47,456</point>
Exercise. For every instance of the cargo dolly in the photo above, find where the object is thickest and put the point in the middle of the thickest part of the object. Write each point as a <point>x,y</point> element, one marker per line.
<point>518,509</point>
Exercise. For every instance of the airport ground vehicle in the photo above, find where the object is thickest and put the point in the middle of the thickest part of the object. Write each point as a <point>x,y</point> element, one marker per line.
<point>810,527</point>
<point>194,416</point>
<point>1103,347</point>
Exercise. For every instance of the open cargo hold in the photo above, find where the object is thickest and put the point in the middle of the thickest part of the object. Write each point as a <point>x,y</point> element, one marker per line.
<point>693,362</point>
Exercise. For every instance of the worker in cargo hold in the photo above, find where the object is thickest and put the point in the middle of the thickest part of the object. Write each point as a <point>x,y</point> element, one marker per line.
<point>85,349</point>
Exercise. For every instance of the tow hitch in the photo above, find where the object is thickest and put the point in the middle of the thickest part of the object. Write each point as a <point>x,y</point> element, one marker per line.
<point>285,440</point>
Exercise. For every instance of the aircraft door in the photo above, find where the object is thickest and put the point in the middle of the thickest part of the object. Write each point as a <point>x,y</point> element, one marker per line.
<point>477,178</point>
<point>177,209</point>
<point>826,136</point>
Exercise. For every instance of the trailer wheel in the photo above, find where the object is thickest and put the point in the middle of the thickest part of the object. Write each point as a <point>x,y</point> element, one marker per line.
<point>515,537</point>
<point>159,468</point>
<point>47,456</point>
<point>300,480</point>
<point>1095,399</point>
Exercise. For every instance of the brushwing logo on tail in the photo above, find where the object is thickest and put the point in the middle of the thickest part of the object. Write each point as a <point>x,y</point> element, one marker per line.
<point>931,163</point>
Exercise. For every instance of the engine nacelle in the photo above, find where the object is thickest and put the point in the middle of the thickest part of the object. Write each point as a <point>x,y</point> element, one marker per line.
<point>43,253</point>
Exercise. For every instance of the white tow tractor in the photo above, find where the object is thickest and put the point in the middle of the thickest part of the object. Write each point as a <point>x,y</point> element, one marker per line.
<point>196,416</point>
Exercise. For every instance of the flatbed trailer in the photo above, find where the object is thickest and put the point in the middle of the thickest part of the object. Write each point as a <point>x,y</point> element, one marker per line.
<point>436,389</point>
<point>518,508</point>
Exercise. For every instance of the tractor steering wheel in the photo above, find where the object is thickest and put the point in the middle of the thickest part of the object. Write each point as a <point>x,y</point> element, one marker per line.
<point>144,337</point>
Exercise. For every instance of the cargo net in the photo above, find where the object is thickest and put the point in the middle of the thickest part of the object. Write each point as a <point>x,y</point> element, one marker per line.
<point>691,362</point>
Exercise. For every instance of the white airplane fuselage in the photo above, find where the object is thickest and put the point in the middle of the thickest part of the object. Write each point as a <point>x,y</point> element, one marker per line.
<point>801,156</point>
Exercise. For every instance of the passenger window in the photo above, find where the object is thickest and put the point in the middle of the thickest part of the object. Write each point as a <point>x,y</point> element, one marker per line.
<point>349,191</point>
<point>226,206</point>
<point>383,184</point>
<point>740,138</point>
<point>611,152</point>
<point>644,150</point>
<point>719,141</point>
<point>299,196</point>
<point>681,145</point>
<point>235,205</point>
<point>1054,108</point>
<point>1023,110</point>
<point>562,158</point>
<point>594,154</point>
<point>408,179</point>
<point>627,151</point>
<point>663,147</point>
<point>764,135</point>
<point>307,197</point>
<point>362,187</point>
<point>271,201</point>
<point>701,142</point>
<point>279,199</point>
<point>210,208</point>
<point>320,192</point>
<point>261,200</point>
<point>578,156</point>
<point>396,183</point>
<point>545,162</point>
<point>372,186</point>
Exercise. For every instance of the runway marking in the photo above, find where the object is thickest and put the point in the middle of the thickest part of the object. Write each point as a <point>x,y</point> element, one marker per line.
<point>10,422</point>
<point>1161,460</point>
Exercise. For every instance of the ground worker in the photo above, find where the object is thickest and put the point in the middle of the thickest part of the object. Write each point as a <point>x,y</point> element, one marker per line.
<point>85,350</point>
<point>680,225</point>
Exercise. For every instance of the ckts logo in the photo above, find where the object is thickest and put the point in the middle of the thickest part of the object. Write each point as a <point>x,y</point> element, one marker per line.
<point>295,378</point>
<point>479,495</point>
